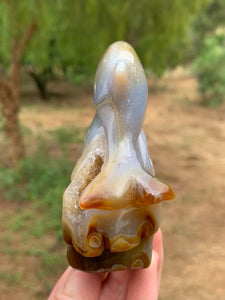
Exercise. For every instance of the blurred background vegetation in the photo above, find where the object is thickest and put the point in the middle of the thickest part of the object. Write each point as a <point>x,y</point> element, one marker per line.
<point>46,43</point>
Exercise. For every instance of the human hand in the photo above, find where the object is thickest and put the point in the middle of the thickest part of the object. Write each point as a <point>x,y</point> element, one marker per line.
<point>140,284</point>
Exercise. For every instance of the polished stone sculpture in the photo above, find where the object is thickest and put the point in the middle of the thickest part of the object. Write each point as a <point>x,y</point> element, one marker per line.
<point>111,209</point>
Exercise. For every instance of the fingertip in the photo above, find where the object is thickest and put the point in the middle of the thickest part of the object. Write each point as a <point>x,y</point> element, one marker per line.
<point>73,285</point>
<point>158,244</point>
<point>155,258</point>
<point>60,283</point>
<point>158,238</point>
<point>144,283</point>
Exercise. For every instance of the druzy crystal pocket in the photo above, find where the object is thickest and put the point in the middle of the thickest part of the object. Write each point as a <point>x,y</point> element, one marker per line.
<point>111,209</point>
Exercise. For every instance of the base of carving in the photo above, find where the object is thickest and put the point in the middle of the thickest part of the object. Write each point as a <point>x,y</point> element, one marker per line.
<point>136,258</point>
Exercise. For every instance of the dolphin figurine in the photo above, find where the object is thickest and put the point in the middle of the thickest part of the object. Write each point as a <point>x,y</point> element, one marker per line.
<point>111,209</point>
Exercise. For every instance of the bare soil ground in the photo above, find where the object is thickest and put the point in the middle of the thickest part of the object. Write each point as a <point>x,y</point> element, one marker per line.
<point>187,145</point>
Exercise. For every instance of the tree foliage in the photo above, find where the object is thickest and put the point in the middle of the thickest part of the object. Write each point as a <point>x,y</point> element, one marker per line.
<point>207,21</point>
<point>208,51</point>
<point>155,28</point>
<point>67,38</point>
<point>71,35</point>
<point>209,67</point>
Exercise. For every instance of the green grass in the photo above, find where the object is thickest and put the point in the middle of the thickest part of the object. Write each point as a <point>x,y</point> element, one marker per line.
<point>9,251</point>
<point>68,135</point>
<point>11,277</point>
<point>21,219</point>
<point>8,239</point>
<point>40,179</point>
<point>51,262</point>
<point>37,186</point>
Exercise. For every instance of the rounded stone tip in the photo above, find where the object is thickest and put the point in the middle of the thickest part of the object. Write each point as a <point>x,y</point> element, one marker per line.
<point>119,61</point>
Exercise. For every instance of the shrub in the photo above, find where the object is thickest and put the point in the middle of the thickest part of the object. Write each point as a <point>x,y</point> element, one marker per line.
<point>209,67</point>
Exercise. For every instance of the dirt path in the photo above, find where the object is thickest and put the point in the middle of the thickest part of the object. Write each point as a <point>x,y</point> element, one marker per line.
<point>187,144</point>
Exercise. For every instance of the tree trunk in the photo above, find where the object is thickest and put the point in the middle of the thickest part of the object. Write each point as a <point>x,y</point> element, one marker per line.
<point>11,123</point>
<point>10,96</point>
<point>40,83</point>
<point>42,86</point>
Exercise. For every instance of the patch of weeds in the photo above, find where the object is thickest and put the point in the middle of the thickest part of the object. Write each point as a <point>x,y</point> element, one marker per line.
<point>10,251</point>
<point>52,262</point>
<point>8,238</point>
<point>65,135</point>
<point>40,274</point>
<point>11,277</point>
<point>10,183</point>
<point>25,130</point>
<point>20,220</point>
<point>34,252</point>
<point>40,226</point>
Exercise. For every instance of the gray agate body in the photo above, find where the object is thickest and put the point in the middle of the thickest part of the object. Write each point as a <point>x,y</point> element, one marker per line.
<point>111,209</point>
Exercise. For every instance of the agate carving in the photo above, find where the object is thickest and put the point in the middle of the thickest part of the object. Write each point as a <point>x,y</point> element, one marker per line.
<point>111,209</point>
